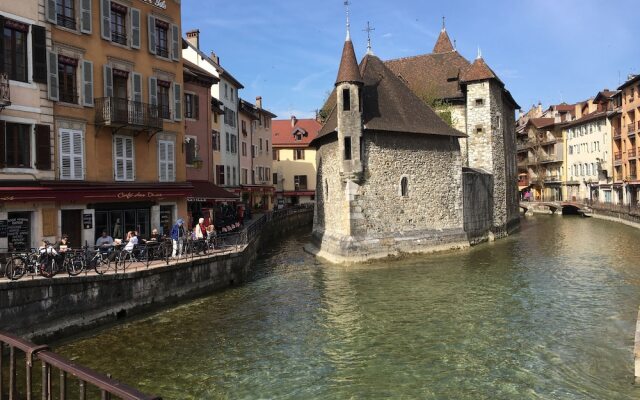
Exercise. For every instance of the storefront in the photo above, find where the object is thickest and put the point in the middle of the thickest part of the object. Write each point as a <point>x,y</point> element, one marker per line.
<point>258,197</point>
<point>206,200</point>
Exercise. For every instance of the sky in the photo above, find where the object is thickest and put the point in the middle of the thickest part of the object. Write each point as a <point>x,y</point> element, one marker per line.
<point>288,51</point>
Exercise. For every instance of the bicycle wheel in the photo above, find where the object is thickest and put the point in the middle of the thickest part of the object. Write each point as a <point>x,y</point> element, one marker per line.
<point>16,268</point>
<point>48,266</point>
<point>74,264</point>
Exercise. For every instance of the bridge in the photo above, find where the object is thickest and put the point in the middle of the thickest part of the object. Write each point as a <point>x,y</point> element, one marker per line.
<point>555,207</point>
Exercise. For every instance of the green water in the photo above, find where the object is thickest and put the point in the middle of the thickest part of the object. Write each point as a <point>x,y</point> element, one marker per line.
<point>549,313</point>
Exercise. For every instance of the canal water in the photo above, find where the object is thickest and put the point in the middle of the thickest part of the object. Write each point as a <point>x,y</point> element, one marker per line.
<point>548,313</point>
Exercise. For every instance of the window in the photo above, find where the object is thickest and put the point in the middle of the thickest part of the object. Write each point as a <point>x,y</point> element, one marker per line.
<point>118,24</point>
<point>163,99</point>
<point>570,149</point>
<point>245,176</point>
<point>191,108</point>
<point>231,94</point>
<point>234,144</point>
<point>17,146</point>
<point>71,154</point>
<point>65,13</point>
<point>346,99</point>
<point>266,146</point>
<point>215,140</point>
<point>123,151</point>
<point>166,160</point>
<point>267,173</point>
<point>244,149</point>
<point>120,84</point>
<point>67,79</point>
<point>229,175</point>
<point>254,150</point>
<point>478,129</point>
<point>220,174</point>
<point>347,148</point>
<point>226,91</point>
<point>404,186</point>
<point>244,127</point>
<point>298,154</point>
<point>276,155</point>
<point>15,50</point>
<point>300,182</point>
<point>260,174</point>
<point>162,38</point>
<point>235,177</point>
<point>229,117</point>
<point>228,144</point>
<point>190,150</point>
<point>260,144</point>
<point>479,102</point>
<point>275,178</point>
<point>267,122</point>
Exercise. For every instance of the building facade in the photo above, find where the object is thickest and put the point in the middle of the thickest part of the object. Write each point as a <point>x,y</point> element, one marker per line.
<point>294,161</point>
<point>626,124</point>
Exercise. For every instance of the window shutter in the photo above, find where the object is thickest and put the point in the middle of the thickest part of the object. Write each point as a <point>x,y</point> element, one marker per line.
<point>177,97</point>
<point>50,11</point>
<point>196,107</point>
<point>105,19</point>
<point>65,154</point>
<point>129,159</point>
<point>190,150</point>
<point>137,87</point>
<point>124,158</point>
<point>3,126</point>
<point>152,34</point>
<point>175,40</point>
<point>85,16</point>
<point>171,162</point>
<point>39,56</point>
<point>162,161</point>
<point>43,147</point>
<point>108,81</point>
<point>77,155</point>
<point>52,75</point>
<point>87,83</point>
<point>153,91</point>
<point>118,155</point>
<point>135,28</point>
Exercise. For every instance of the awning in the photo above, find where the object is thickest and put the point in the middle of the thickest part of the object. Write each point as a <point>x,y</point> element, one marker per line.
<point>92,191</point>
<point>207,191</point>
<point>300,193</point>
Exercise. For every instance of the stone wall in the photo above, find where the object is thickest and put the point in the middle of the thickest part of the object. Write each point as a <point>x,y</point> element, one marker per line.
<point>478,204</point>
<point>479,126</point>
<point>45,309</point>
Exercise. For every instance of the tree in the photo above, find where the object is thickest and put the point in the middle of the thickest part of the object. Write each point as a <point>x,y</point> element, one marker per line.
<point>440,106</point>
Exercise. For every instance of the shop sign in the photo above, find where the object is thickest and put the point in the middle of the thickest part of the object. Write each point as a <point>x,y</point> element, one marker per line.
<point>197,199</point>
<point>157,3</point>
<point>138,195</point>
<point>87,221</point>
<point>3,228</point>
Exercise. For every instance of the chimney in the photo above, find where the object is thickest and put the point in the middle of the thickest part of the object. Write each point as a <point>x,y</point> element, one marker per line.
<point>215,58</point>
<point>259,102</point>
<point>193,37</point>
<point>294,121</point>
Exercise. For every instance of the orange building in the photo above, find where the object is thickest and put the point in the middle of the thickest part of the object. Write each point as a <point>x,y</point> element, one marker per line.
<point>625,123</point>
<point>115,76</point>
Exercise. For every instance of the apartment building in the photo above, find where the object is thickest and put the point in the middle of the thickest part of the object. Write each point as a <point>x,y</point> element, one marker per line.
<point>294,162</point>
<point>626,124</point>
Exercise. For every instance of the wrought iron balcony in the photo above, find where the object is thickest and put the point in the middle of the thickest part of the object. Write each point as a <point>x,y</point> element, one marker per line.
<point>119,113</point>
<point>5,92</point>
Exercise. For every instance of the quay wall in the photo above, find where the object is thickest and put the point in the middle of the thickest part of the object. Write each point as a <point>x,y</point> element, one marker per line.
<point>48,309</point>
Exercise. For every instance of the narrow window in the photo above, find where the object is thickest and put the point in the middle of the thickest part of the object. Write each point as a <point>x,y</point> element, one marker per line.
<point>360,99</point>
<point>326,188</point>
<point>479,102</point>
<point>346,100</point>
<point>347,148</point>
<point>404,187</point>
<point>15,50</point>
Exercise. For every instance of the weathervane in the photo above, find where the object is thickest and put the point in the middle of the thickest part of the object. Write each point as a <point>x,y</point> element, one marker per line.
<point>369,29</point>
<point>346,5</point>
<point>443,28</point>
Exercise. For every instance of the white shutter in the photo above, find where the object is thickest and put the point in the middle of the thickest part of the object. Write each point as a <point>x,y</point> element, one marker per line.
<point>177,98</point>
<point>124,158</point>
<point>153,91</point>
<point>108,80</point>
<point>128,156</point>
<point>87,83</point>
<point>171,161</point>
<point>135,28</point>
<point>162,160</point>
<point>175,41</point>
<point>105,19</point>
<point>118,158</point>
<point>85,16</point>
<point>71,154</point>
<point>152,34</point>
<point>52,75</point>
<point>50,11</point>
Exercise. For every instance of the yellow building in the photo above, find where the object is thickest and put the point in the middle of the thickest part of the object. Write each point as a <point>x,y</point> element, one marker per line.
<point>294,162</point>
<point>115,76</point>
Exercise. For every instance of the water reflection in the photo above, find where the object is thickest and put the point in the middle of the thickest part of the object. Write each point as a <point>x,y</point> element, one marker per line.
<point>548,313</point>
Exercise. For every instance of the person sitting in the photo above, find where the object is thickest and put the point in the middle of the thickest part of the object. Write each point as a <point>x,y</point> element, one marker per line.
<point>132,241</point>
<point>104,240</point>
<point>155,236</point>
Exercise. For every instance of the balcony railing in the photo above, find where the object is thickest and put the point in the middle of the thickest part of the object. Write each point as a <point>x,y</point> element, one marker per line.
<point>552,178</point>
<point>5,92</point>
<point>617,134</point>
<point>631,128</point>
<point>67,22</point>
<point>617,155</point>
<point>115,112</point>
<point>632,153</point>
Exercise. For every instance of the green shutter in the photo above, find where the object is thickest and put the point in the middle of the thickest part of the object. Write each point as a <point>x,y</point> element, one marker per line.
<point>39,53</point>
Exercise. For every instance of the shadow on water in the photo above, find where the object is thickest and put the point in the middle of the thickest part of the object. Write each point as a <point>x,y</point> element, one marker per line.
<point>548,313</point>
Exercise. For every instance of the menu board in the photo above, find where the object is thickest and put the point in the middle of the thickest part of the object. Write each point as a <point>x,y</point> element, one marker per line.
<point>18,232</point>
<point>3,228</point>
<point>87,221</point>
<point>165,220</point>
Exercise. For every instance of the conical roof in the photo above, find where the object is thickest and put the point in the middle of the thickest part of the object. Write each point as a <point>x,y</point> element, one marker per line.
<point>443,44</point>
<point>479,71</point>
<point>349,70</point>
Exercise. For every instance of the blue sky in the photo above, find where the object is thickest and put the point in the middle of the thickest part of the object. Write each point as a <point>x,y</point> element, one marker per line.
<point>287,51</point>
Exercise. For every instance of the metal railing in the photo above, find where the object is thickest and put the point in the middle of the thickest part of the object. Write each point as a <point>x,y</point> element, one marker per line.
<point>619,208</point>
<point>50,361</point>
<point>631,128</point>
<point>617,155</point>
<point>631,153</point>
<point>5,92</point>
<point>122,112</point>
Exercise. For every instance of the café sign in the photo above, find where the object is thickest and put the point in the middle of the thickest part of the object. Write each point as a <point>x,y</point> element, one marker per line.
<point>157,3</point>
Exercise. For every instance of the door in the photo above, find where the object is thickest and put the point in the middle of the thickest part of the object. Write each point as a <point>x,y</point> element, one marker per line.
<point>72,226</point>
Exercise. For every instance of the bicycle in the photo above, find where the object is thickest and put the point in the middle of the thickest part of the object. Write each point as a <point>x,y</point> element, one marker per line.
<point>21,263</point>
<point>99,260</point>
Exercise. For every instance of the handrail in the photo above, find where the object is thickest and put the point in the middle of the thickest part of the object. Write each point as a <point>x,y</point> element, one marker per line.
<point>49,360</point>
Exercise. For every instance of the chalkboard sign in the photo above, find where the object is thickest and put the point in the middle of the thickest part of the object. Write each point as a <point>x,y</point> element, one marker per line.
<point>87,221</point>
<point>165,220</point>
<point>3,228</point>
<point>18,229</point>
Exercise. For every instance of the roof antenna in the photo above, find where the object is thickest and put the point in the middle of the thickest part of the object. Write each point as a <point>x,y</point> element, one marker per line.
<point>369,29</point>
<point>346,5</point>
<point>443,27</point>
<point>479,53</point>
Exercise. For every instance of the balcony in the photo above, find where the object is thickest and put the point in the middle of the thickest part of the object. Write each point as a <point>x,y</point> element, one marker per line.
<point>631,128</point>
<point>552,178</point>
<point>632,153</point>
<point>617,134</point>
<point>5,92</point>
<point>122,113</point>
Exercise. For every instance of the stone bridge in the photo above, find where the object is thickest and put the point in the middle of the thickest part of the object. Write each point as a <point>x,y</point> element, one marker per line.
<point>555,207</point>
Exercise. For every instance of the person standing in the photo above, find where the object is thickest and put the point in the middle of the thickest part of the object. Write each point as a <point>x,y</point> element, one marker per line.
<point>178,235</point>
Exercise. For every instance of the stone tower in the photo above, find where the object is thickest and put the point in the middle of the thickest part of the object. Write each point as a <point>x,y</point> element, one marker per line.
<point>349,113</point>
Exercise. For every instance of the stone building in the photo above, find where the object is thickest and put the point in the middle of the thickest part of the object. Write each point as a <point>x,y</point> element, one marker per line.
<point>389,170</point>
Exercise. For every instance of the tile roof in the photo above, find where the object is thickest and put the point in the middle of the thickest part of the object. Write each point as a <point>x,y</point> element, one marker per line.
<point>433,75</point>
<point>348,71</point>
<point>587,118</point>
<point>541,122</point>
<point>389,105</point>
<point>443,44</point>
<point>479,71</point>
<point>282,132</point>
<point>605,95</point>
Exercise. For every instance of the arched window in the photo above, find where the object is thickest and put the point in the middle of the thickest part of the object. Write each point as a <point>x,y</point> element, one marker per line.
<point>404,187</point>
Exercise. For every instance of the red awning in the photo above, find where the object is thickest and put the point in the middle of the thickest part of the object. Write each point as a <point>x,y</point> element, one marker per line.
<point>92,192</point>
<point>207,191</point>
